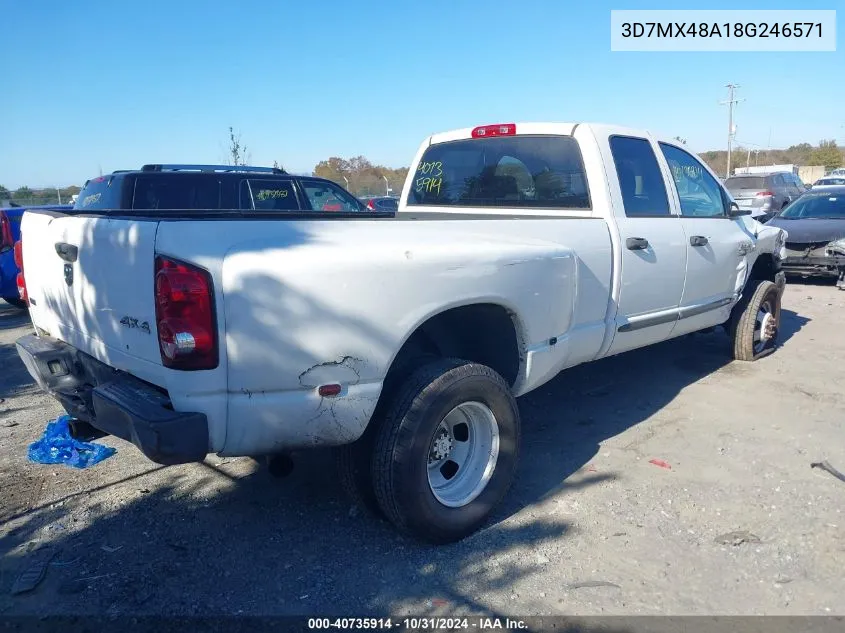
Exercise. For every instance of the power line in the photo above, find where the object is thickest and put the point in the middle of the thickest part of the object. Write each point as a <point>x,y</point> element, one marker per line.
<point>730,103</point>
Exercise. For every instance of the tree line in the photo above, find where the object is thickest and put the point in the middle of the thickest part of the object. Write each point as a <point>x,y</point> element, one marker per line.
<point>25,196</point>
<point>361,177</point>
<point>827,153</point>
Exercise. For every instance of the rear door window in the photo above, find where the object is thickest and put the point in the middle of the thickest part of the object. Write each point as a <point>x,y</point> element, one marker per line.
<point>177,191</point>
<point>640,179</point>
<point>268,195</point>
<point>100,193</point>
<point>515,171</point>
<point>324,196</point>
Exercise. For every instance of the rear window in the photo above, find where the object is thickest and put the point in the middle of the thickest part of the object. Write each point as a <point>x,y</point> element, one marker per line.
<point>268,195</point>
<point>746,182</point>
<point>182,191</point>
<point>831,181</point>
<point>100,193</point>
<point>515,171</point>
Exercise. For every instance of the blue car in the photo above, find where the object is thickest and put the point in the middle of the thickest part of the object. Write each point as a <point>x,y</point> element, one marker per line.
<point>10,232</point>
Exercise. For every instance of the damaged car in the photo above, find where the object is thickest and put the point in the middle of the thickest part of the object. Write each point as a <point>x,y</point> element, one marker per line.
<point>815,223</point>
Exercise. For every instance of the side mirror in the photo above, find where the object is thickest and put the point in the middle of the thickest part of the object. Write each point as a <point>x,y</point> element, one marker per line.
<point>735,211</point>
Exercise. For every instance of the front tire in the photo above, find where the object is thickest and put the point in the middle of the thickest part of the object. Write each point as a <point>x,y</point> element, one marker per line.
<point>756,321</point>
<point>446,450</point>
<point>18,303</point>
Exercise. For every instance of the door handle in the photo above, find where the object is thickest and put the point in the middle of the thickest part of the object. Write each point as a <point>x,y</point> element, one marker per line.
<point>698,240</point>
<point>636,243</point>
<point>67,252</point>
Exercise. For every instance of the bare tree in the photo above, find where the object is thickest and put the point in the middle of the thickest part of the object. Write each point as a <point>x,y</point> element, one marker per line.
<point>238,153</point>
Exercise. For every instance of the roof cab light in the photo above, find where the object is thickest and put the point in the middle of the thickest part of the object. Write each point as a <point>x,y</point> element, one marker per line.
<point>185,315</point>
<point>500,129</point>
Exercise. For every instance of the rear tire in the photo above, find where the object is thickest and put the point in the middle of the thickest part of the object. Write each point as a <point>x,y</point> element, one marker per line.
<point>18,303</point>
<point>353,463</point>
<point>446,450</point>
<point>756,320</point>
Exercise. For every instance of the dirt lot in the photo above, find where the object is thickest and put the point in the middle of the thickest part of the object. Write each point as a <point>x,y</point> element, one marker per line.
<point>591,526</point>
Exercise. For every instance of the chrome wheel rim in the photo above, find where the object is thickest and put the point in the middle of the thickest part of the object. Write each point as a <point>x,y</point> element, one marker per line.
<point>462,454</point>
<point>765,326</point>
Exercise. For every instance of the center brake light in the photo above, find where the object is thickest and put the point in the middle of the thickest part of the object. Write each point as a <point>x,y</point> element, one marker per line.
<point>765,193</point>
<point>185,315</point>
<point>500,129</point>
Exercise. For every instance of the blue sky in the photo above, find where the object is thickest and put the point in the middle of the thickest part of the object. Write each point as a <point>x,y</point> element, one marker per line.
<point>113,85</point>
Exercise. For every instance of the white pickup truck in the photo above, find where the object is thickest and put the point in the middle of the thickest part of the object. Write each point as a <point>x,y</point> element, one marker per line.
<point>187,324</point>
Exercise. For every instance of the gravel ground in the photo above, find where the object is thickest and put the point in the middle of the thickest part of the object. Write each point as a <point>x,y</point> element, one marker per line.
<point>591,526</point>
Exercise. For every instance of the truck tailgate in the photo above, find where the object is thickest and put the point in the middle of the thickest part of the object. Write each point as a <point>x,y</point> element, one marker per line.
<point>91,284</point>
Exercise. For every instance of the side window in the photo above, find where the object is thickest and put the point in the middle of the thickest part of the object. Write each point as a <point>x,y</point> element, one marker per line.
<point>387,204</point>
<point>779,182</point>
<point>268,195</point>
<point>700,193</point>
<point>643,189</point>
<point>176,191</point>
<point>324,196</point>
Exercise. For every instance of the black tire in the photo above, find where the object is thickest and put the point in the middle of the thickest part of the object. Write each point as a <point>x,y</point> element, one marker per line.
<point>744,323</point>
<point>353,463</point>
<point>14,301</point>
<point>403,441</point>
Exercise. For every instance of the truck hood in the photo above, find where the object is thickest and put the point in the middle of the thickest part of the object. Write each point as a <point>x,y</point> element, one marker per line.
<point>810,230</point>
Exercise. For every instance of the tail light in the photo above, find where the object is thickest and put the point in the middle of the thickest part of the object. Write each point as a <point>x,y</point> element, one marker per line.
<point>21,282</point>
<point>6,239</point>
<point>763,194</point>
<point>371,205</point>
<point>185,315</point>
<point>501,129</point>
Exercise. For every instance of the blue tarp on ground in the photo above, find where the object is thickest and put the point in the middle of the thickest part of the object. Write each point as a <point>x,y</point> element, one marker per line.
<point>57,446</point>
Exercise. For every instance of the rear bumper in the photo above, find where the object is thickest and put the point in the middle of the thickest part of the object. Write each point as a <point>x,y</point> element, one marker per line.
<point>115,402</point>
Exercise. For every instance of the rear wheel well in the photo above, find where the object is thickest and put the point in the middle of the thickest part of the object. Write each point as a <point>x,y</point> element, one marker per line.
<point>483,333</point>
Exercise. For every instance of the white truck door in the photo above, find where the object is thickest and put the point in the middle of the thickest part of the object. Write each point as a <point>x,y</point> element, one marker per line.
<point>653,248</point>
<point>717,244</point>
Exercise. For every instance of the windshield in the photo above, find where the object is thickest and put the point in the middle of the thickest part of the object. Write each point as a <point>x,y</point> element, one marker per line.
<point>821,206</point>
<point>831,181</point>
<point>516,171</point>
<point>745,182</point>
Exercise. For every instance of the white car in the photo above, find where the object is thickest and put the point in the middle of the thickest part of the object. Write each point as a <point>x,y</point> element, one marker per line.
<point>518,250</point>
<point>829,181</point>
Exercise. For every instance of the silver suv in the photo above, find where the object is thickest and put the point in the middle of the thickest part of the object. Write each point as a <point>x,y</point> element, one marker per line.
<point>764,194</point>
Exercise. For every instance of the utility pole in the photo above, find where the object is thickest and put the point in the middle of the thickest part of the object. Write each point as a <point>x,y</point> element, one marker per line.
<point>748,159</point>
<point>386,186</point>
<point>347,182</point>
<point>730,103</point>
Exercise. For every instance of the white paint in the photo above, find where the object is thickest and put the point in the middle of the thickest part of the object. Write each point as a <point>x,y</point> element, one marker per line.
<point>304,303</point>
